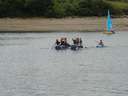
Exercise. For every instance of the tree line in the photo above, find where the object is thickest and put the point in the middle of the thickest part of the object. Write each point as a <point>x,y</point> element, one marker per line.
<point>58,8</point>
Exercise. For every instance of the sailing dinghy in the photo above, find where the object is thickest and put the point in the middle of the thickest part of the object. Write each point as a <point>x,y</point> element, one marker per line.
<point>109,25</point>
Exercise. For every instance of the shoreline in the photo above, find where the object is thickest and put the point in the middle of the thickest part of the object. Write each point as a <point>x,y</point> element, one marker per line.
<point>87,24</point>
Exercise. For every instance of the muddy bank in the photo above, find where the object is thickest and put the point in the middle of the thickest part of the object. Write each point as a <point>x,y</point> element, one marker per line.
<point>92,24</point>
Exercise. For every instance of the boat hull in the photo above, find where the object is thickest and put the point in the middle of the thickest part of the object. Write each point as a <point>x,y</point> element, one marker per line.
<point>109,33</point>
<point>99,46</point>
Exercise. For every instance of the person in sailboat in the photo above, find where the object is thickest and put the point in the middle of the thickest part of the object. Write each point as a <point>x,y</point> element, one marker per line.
<point>113,32</point>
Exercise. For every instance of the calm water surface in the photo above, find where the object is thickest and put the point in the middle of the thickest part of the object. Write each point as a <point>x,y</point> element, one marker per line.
<point>29,65</point>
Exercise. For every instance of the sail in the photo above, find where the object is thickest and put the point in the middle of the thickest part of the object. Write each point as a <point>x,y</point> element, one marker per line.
<point>109,22</point>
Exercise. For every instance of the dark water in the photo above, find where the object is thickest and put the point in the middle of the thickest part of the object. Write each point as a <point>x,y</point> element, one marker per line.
<point>29,65</point>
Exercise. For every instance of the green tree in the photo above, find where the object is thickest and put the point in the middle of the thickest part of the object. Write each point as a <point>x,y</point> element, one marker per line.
<point>37,7</point>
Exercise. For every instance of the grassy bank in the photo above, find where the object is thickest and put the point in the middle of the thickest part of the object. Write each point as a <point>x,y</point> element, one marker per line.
<point>118,4</point>
<point>88,24</point>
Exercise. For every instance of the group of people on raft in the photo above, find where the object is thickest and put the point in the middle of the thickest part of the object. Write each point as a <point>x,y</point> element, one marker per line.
<point>62,41</point>
<point>63,44</point>
<point>77,43</point>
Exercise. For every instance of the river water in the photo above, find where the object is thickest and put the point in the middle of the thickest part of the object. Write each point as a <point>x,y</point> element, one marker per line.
<point>30,66</point>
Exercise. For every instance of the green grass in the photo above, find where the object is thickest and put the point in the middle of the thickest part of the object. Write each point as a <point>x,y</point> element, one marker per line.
<point>117,4</point>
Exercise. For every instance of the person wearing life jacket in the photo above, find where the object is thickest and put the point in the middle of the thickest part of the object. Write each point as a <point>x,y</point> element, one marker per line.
<point>62,41</point>
<point>66,42</point>
<point>80,41</point>
<point>57,42</point>
<point>77,41</point>
<point>101,43</point>
<point>74,41</point>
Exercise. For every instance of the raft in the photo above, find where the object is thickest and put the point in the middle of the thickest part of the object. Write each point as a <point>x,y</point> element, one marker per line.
<point>61,47</point>
<point>76,47</point>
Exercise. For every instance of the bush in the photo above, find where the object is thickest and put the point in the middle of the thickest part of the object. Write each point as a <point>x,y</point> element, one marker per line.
<point>62,8</point>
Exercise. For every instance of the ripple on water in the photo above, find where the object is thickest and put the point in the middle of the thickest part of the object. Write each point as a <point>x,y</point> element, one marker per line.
<point>30,66</point>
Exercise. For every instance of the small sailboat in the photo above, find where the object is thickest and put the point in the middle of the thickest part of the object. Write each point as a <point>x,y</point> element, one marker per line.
<point>109,24</point>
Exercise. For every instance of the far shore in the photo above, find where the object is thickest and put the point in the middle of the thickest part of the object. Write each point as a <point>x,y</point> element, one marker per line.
<point>87,24</point>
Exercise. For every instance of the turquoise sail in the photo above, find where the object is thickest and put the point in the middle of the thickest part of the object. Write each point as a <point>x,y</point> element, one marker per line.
<point>109,22</point>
